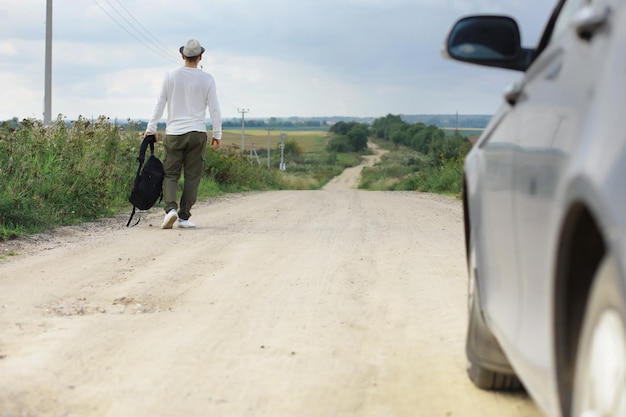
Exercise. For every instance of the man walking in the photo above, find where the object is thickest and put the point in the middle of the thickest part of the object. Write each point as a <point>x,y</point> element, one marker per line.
<point>188,92</point>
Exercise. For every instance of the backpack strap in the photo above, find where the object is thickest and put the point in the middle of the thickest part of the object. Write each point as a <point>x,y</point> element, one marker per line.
<point>132,214</point>
<point>149,140</point>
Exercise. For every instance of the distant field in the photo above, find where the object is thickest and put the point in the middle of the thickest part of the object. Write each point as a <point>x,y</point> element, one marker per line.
<point>309,140</point>
<point>463,131</point>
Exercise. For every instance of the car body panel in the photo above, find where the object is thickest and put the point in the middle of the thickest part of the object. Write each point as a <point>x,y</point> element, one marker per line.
<point>556,94</point>
<point>560,144</point>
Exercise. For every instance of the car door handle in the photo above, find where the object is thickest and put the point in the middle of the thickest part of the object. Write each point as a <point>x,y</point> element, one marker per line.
<point>513,92</point>
<point>591,19</point>
<point>554,71</point>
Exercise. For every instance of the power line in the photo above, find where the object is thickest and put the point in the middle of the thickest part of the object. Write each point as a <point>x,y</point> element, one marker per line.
<point>149,40</point>
<point>146,34</point>
<point>142,26</point>
<point>148,45</point>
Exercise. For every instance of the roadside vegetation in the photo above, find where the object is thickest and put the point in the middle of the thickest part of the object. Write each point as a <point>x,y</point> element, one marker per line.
<point>67,173</point>
<point>421,158</point>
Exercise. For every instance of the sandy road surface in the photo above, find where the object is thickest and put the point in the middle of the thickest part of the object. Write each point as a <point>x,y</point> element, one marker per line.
<point>310,303</point>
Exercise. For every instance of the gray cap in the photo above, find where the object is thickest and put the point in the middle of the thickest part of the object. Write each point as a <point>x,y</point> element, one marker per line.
<point>192,48</point>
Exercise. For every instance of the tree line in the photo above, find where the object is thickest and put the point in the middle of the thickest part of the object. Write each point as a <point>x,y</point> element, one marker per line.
<point>429,140</point>
<point>272,122</point>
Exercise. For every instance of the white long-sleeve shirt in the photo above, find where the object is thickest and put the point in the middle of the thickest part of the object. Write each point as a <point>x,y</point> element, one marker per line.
<point>187,92</point>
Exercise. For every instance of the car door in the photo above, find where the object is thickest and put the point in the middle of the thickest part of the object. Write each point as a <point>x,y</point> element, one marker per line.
<point>550,112</point>
<point>493,218</point>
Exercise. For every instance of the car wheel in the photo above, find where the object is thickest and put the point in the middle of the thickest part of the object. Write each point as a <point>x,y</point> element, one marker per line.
<point>487,365</point>
<point>600,376</point>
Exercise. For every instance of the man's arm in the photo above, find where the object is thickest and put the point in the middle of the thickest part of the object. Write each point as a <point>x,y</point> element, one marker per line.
<point>157,111</point>
<point>215,113</point>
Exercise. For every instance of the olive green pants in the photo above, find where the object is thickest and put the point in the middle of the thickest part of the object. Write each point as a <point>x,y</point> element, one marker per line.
<point>186,154</point>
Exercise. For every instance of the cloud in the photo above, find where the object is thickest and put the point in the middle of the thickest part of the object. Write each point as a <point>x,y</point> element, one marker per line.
<point>8,49</point>
<point>276,57</point>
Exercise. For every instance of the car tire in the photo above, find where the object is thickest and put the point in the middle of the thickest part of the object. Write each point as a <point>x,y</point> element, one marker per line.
<point>600,373</point>
<point>487,366</point>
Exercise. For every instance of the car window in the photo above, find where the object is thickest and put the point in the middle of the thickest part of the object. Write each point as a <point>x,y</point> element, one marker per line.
<point>566,16</point>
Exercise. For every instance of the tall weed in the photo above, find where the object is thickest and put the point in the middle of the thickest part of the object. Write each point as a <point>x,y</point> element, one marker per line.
<point>60,174</point>
<point>66,173</point>
<point>444,179</point>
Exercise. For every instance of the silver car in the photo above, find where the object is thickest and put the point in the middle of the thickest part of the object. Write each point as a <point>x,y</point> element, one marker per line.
<point>545,211</point>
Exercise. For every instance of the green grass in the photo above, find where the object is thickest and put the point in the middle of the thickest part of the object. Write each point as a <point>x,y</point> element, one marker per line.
<point>66,174</point>
<point>9,253</point>
<point>404,169</point>
<point>312,170</point>
<point>393,168</point>
<point>59,175</point>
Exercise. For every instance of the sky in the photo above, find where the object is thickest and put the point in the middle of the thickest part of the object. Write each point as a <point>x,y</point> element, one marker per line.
<point>274,58</point>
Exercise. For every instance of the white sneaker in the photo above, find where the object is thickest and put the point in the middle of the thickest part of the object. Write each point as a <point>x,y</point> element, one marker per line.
<point>185,224</point>
<point>169,219</point>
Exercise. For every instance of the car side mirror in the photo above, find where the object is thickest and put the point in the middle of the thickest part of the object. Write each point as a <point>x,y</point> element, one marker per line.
<point>493,41</point>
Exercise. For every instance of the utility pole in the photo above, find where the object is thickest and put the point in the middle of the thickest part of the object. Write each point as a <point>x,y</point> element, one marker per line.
<point>253,152</point>
<point>268,145</point>
<point>47,100</point>
<point>243,128</point>
<point>282,152</point>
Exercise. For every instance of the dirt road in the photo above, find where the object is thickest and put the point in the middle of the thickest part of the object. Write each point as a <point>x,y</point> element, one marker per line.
<point>336,302</point>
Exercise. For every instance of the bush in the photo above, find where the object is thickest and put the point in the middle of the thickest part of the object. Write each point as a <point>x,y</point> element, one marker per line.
<point>357,137</point>
<point>339,144</point>
<point>61,174</point>
<point>348,137</point>
<point>447,179</point>
<point>293,148</point>
<point>232,169</point>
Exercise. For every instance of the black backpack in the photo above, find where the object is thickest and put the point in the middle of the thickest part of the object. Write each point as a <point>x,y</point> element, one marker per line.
<point>148,186</point>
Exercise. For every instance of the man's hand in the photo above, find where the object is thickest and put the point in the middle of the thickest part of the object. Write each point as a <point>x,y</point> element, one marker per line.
<point>215,143</point>
<point>156,136</point>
